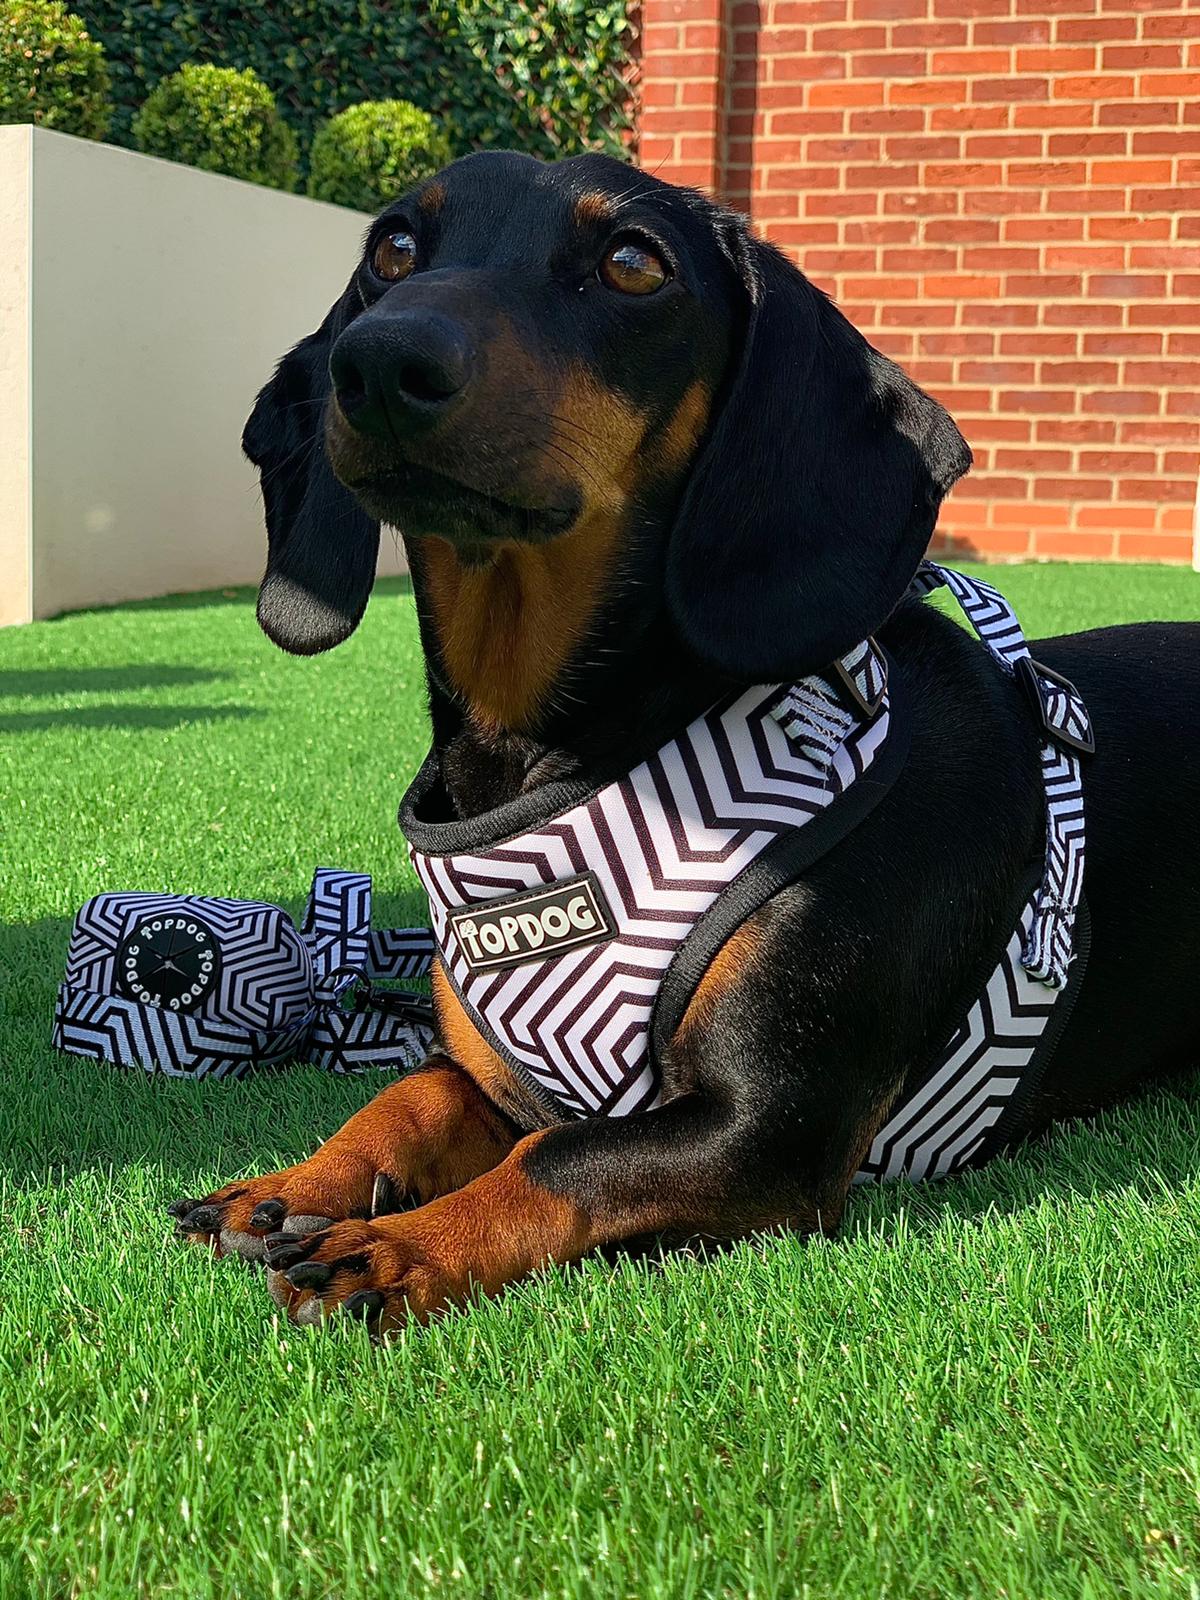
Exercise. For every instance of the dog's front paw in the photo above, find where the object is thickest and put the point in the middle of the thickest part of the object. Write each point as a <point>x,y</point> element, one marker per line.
<point>384,1272</point>
<point>299,1201</point>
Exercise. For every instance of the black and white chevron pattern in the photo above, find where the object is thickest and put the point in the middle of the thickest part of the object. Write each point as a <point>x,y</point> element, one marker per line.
<point>275,998</point>
<point>400,953</point>
<point>108,1027</point>
<point>266,977</point>
<point>942,1123</point>
<point>1048,945</point>
<point>663,842</point>
<point>337,924</point>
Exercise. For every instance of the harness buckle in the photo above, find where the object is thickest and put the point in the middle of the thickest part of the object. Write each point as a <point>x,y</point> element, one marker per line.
<point>1072,727</point>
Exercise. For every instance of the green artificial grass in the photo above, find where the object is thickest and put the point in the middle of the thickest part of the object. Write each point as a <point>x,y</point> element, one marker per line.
<point>987,1387</point>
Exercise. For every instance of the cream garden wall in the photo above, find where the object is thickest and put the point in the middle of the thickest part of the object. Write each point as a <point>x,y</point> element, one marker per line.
<point>142,305</point>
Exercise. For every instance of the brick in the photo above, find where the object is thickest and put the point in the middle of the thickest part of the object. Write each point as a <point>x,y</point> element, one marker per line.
<point>1126,285</point>
<point>1158,433</point>
<point>1045,174</point>
<point>1158,490</point>
<point>1115,460</point>
<point>1058,59</point>
<point>796,69</point>
<point>929,35</point>
<point>1141,57</point>
<point>1034,459</point>
<point>960,117</point>
<point>970,61</point>
<point>850,36</point>
<point>1082,430</point>
<point>962,174</point>
<point>1088,144</point>
<point>1083,373</point>
<point>1122,344</point>
<point>1072,544</point>
<point>1023,88</point>
<point>1135,545</point>
<point>1092,257</point>
<point>1104,517</point>
<point>1042,229</point>
<point>1097,87</point>
<point>927,92</point>
<point>1015,30</point>
<point>958,286</point>
<point>1175,256</point>
<point>846,94</point>
<point>961,230</point>
<point>1144,170</point>
<point>891,119</point>
<point>1004,145</point>
<point>1031,401</point>
<point>1042,286</point>
<point>1125,402</point>
<point>1139,228</point>
<point>996,371</point>
<point>1039,344</point>
<point>1145,113</point>
<point>888,64</point>
<point>1009,428</point>
<point>1096,30</point>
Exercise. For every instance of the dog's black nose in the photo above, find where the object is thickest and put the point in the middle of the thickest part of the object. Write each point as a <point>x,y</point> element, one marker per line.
<point>395,371</point>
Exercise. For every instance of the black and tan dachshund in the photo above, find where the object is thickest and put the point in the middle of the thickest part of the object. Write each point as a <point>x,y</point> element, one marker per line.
<point>638,460</point>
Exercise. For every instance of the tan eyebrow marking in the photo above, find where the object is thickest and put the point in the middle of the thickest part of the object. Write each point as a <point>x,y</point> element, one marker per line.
<point>433,198</point>
<point>593,207</point>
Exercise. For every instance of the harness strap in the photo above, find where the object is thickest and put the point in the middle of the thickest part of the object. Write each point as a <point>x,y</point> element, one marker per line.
<point>1048,948</point>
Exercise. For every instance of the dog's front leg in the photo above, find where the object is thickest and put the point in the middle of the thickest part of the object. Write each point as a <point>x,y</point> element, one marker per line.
<point>686,1168</point>
<point>423,1136</point>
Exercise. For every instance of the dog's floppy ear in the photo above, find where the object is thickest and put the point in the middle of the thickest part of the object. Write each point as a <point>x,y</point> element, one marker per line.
<point>321,547</point>
<point>813,501</point>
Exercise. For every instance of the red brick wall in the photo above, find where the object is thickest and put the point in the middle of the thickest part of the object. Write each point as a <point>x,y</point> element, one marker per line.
<point>1004,195</point>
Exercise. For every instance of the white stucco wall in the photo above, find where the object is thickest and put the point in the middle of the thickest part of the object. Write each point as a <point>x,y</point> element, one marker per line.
<point>158,299</point>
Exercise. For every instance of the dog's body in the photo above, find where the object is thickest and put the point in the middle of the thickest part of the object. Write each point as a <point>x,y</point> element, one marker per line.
<point>607,531</point>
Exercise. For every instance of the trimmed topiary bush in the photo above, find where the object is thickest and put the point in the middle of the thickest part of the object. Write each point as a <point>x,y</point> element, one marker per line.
<point>367,155</point>
<point>220,120</point>
<point>51,72</point>
<point>549,76</point>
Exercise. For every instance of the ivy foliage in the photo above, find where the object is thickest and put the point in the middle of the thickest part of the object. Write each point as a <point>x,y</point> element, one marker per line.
<point>545,76</point>
<point>51,72</point>
<point>369,153</point>
<point>219,119</point>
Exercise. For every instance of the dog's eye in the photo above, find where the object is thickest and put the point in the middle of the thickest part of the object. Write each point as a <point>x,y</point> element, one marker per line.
<point>394,256</point>
<point>632,268</point>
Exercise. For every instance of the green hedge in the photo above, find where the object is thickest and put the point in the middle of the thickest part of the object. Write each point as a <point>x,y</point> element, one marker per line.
<point>538,75</point>
<point>219,119</point>
<point>370,153</point>
<point>51,72</point>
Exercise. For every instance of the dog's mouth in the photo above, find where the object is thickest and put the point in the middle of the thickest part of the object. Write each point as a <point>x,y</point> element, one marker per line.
<point>421,502</point>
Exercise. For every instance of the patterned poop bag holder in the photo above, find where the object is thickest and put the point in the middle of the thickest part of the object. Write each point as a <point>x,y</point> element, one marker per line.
<point>200,987</point>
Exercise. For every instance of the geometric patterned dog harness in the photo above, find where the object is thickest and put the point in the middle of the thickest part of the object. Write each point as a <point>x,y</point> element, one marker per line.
<point>575,923</point>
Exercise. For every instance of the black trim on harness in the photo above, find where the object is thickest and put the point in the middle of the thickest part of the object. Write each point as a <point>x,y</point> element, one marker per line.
<point>779,866</point>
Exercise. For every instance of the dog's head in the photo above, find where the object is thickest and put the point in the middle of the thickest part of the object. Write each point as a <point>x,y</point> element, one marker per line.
<point>526,351</point>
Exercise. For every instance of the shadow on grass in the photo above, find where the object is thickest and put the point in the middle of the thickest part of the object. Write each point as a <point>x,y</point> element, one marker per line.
<point>212,599</point>
<point>126,679</point>
<point>118,716</point>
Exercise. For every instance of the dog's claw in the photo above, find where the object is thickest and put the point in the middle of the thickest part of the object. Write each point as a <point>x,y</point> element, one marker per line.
<point>204,1219</point>
<point>364,1305</point>
<point>285,1249</point>
<point>268,1215</point>
<point>309,1275</point>
<point>383,1195</point>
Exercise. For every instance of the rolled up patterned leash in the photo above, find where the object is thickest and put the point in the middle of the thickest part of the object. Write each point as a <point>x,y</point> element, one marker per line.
<point>203,987</point>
